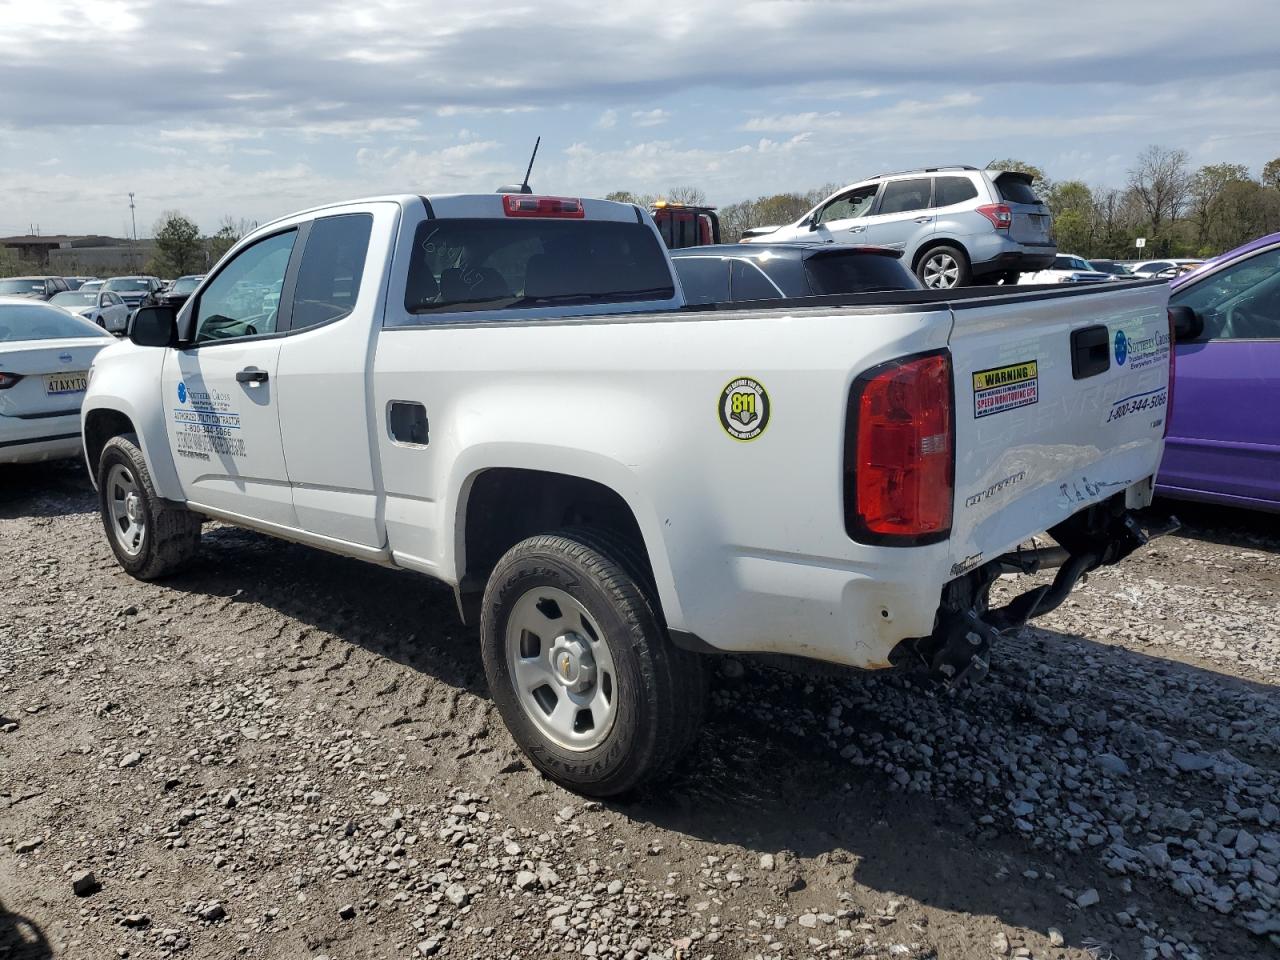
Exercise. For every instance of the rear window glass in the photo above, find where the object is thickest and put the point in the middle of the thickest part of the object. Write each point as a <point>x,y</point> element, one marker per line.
<point>949,190</point>
<point>185,284</point>
<point>464,265</point>
<point>857,273</point>
<point>127,284</point>
<point>37,322</point>
<point>19,287</point>
<point>75,299</point>
<point>1016,190</point>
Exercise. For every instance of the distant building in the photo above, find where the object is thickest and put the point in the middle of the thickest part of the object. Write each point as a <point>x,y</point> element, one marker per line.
<point>67,255</point>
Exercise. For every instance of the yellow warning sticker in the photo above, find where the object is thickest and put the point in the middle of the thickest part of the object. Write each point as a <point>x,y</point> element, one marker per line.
<point>1005,388</point>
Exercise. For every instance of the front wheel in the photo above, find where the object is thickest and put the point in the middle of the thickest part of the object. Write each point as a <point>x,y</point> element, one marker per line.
<point>943,267</point>
<point>581,668</point>
<point>150,537</point>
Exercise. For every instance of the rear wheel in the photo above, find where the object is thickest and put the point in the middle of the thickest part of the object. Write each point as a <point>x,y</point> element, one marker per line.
<point>943,267</point>
<point>580,665</point>
<point>150,537</point>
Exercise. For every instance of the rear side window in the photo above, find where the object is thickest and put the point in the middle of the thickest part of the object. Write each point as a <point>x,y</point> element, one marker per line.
<point>1015,190</point>
<point>464,264</point>
<point>750,282</point>
<point>332,264</point>
<point>901,196</point>
<point>949,190</point>
<point>704,279</point>
<point>857,273</point>
<point>20,321</point>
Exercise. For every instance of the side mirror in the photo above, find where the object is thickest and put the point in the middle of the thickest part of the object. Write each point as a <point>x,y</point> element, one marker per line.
<point>1187,324</point>
<point>815,220</point>
<point>154,327</point>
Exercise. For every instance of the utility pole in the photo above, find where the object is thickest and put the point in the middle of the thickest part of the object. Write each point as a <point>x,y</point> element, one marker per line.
<point>133,247</point>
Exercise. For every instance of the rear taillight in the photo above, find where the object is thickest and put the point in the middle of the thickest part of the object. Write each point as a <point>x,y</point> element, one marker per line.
<point>1173,363</point>
<point>900,452</point>
<point>522,205</point>
<point>999,214</point>
<point>7,380</point>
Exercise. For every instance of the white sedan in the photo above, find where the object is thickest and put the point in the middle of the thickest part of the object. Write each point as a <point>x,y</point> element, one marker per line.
<point>102,307</point>
<point>1067,268</point>
<point>45,353</point>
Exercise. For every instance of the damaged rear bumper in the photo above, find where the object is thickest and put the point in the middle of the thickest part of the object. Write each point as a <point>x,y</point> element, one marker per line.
<point>966,628</point>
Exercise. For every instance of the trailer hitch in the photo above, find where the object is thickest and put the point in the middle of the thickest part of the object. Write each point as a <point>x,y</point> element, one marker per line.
<point>959,647</point>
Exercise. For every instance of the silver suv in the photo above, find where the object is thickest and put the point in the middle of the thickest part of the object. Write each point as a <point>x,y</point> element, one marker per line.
<point>954,225</point>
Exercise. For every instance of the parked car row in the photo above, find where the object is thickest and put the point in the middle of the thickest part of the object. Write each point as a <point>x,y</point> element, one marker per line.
<point>109,303</point>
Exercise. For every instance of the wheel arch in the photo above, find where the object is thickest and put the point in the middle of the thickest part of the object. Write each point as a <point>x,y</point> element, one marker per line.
<point>500,504</point>
<point>932,244</point>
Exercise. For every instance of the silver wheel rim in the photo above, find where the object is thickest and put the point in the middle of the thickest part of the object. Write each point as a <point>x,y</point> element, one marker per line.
<point>561,668</point>
<point>941,270</point>
<point>124,504</point>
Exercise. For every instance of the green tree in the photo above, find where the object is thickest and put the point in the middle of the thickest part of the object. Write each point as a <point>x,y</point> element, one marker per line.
<point>178,246</point>
<point>1161,180</point>
<point>1205,205</point>
<point>230,231</point>
<point>1074,217</point>
<point>1271,173</point>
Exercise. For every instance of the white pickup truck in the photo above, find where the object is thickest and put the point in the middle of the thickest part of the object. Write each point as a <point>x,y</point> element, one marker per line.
<point>504,392</point>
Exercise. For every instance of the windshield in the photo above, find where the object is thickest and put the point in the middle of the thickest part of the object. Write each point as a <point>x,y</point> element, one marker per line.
<point>37,321</point>
<point>20,287</point>
<point>75,299</point>
<point>127,285</point>
<point>463,265</point>
<point>185,284</point>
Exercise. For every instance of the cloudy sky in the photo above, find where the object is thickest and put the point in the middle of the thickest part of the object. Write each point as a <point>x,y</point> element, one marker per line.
<point>254,108</point>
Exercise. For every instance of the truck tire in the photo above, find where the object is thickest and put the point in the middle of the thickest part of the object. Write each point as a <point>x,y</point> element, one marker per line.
<point>150,537</point>
<point>580,666</point>
<point>943,267</point>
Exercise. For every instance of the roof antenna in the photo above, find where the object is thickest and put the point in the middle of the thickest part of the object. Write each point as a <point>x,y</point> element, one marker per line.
<point>524,187</point>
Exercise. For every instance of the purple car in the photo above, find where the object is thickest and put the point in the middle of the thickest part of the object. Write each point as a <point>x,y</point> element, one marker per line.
<point>1224,429</point>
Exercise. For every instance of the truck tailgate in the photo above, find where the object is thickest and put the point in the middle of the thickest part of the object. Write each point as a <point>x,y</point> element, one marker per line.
<point>1040,436</point>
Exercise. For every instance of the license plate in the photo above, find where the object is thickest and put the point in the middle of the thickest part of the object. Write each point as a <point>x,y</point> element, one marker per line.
<point>58,384</point>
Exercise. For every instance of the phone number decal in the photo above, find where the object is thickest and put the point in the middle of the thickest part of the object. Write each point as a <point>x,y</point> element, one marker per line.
<point>1138,403</point>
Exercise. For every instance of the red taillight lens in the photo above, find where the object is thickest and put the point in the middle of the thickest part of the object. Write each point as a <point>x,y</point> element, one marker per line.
<point>7,380</point>
<point>522,205</point>
<point>900,452</point>
<point>1173,363</point>
<point>999,214</point>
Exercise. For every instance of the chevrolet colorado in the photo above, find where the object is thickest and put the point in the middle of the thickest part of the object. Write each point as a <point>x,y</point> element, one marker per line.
<point>507,393</point>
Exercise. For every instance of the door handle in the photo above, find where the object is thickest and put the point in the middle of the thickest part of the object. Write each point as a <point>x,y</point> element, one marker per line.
<point>252,376</point>
<point>857,229</point>
<point>924,219</point>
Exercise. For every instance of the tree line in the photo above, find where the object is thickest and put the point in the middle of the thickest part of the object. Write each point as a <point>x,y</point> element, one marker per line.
<point>1180,210</point>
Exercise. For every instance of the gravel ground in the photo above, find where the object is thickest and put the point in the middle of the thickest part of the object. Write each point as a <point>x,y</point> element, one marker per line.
<point>289,754</point>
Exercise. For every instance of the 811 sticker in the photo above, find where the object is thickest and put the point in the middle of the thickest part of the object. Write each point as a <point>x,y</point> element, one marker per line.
<point>744,408</point>
<point>1005,388</point>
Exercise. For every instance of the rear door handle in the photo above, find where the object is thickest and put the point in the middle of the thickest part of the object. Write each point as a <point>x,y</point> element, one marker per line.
<point>252,376</point>
<point>924,219</point>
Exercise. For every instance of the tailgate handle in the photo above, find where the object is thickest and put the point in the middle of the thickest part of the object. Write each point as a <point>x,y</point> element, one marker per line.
<point>1090,351</point>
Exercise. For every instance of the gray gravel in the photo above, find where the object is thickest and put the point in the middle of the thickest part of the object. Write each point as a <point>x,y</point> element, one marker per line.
<point>286,754</point>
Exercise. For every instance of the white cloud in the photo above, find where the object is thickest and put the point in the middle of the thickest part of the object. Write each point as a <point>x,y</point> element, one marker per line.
<point>608,120</point>
<point>650,118</point>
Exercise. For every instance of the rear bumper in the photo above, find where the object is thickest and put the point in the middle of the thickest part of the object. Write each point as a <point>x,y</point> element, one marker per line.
<point>37,440</point>
<point>1024,259</point>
